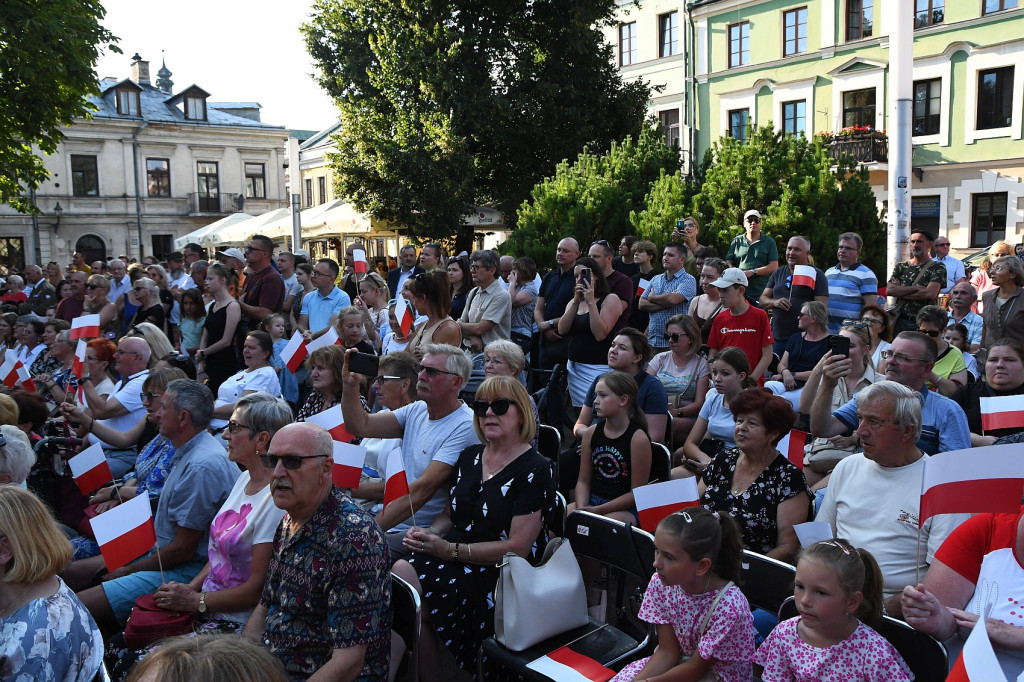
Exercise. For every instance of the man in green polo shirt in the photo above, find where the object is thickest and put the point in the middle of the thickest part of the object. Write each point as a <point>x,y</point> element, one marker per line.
<point>755,254</point>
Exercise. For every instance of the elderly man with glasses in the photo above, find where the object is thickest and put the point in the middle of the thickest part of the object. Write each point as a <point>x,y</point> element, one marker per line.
<point>321,306</point>
<point>955,271</point>
<point>756,254</point>
<point>488,313</point>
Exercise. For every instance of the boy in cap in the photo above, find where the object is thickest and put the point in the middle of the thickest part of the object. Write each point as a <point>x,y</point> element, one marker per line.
<point>740,324</point>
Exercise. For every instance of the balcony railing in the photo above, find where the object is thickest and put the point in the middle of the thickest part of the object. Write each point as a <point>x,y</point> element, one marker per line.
<point>865,147</point>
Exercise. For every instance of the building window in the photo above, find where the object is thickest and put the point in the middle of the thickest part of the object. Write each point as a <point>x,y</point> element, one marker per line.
<point>794,23</point>
<point>668,29</point>
<point>209,188</point>
<point>158,177</point>
<point>309,191</point>
<point>321,186</point>
<point>255,181</point>
<point>859,19</point>
<point>859,108</point>
<point>927,100</point>
<point>12,255</point>
<point>998,5</point>
<point>669,120</point>
<point>627,44</point>
<point>738,120</point>
<point>995,98</point>
<point>85,179</point>
<point>794,117</point>
<point>929,12</point>
<point>195,108</point>
<point>739,44</point>
<point>127,102</point>
<point>988,219</point>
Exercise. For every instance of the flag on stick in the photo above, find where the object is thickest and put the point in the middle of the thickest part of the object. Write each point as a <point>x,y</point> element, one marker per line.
<point>396,485</point>
<point>793,445</point>
<point>403,313</point>
<point>804,276</point>
<point>348,464</point>
<point>566,665</point>
<point>125,532</point>
<point>359,263</point>
<point>642,286</point>
<point>295,352</point>
<point>328,338</point>
<point>657,500</point>
<point>85,327</point>
<point>977,661</point>
<point>333,420</point>
<point>90,469</point>
<point>78,364</point>
<point>988,479</point>
<point>1002,412</point>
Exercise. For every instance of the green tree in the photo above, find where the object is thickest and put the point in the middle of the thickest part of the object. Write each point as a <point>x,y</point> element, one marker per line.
<point>670,200</point>
<point>592,198</point>
<point>48,49</point>
<point>448,104</point>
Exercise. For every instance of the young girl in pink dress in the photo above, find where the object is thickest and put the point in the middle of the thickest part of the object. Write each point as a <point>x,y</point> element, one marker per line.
<point>704,622</point>
<point>837,588</point>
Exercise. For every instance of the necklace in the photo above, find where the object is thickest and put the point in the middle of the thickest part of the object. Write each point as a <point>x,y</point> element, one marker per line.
<point>13,599</point>
<point>707,584</point>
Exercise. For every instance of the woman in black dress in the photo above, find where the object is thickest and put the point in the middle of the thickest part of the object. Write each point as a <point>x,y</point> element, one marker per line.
<point>147,294</point>
<point>501,497</point>
<point>216,357</point>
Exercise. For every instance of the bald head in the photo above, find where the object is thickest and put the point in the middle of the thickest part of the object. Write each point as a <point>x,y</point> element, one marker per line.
<point>567,252</point>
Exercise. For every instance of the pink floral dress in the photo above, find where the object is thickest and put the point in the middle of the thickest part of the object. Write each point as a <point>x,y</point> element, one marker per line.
<point>864,656</point>
<point>728,638</point>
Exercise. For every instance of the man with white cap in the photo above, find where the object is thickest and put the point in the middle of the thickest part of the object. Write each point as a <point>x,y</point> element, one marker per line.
<point>740,324</point>
<point>755,254</point>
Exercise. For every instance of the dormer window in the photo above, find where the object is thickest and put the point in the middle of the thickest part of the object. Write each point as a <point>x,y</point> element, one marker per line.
<point>127,101</point>
<point>195,108</point>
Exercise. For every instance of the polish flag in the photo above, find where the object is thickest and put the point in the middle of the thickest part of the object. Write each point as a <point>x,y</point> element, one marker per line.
<point>792,446</point>
<point>328,338</point>
<point>90,469</point>
<point>12,372</point>
<point>977,661</point>
<point>403,314</point>
<point>1002,412</point>
<point>642,286</point>
<point>332,420</point>
<point>295,352</point>
<point>78,364</point>
<point>804,276</point>
<point>85,327</point>
<point>396,485</point>
<point>348,464</point>
<point>988,479</point>
<point>359,263</point>
<point>566,665</point>
<point>125,532</point>
<point>657,500</point>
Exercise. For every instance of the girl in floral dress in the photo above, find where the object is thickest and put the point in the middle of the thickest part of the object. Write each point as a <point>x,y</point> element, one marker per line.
<point>837,588</point>
<point>705,630</point>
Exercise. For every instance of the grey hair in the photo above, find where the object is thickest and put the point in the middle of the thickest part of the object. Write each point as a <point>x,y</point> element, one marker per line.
<point>264,412</point>
<point>64,337</point>
<point>15,279</point>
<point>457,362</point>
<point>853,237</point>
<point>323,444</point>
<point>201,265</point>
<point>907,409</point>
<point>17,456</point>
<point>148,283</point>
<point>486,257</point>
<point>510,351</point>
<point>805,240</point>
<point>195,398</point>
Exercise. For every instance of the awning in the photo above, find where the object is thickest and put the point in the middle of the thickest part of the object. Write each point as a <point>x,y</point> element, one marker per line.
<point>197,235</point>
<point>308,219</point>
<point>239,233</point>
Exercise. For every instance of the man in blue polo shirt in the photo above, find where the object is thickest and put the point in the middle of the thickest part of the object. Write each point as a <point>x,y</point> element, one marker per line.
<point>851,284</point>
<point>556,290</point>
<point>319,306</point>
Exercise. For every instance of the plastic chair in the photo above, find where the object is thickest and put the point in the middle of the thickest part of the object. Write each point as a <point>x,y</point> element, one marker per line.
<point>767,582</point>
<point>626,550</point>
<point>406,623</point>
<point>661,463</point>
<point>926,656</point>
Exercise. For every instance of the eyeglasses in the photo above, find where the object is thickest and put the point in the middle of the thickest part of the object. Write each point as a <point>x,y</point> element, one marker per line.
<point>930,332</point>
<point>290,462</point>
<point>234,427</point>
<point>432,372</point>
<point>474,267</point>
<point>384,377</point>
<point>498,407</point>
<point>848,248</point>
<point>127,352</point>
<point>872,321</point>
<point>317,273</point>
<point>672,338</point>
<point>941,243</point>
<point>148,397</point>
<point>889,354</point>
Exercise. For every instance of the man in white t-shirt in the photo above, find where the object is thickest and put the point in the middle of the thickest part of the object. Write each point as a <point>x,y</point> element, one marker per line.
<point>873,498</point>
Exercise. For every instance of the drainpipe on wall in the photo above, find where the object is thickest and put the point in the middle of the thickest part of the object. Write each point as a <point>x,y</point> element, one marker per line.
<point>691,101</point>
<point>138,191</point>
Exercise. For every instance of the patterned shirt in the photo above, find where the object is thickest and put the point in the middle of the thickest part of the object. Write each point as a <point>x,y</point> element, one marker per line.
<point>905,273</point>
<point>846,291</point>
<point>329,587</point>
<point>974,323</point>
<point>681,283</point>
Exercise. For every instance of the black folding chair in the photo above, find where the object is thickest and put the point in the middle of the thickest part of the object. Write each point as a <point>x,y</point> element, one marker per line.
<point>767,582</point>
<point>661,463</point>
<point>926,656</point>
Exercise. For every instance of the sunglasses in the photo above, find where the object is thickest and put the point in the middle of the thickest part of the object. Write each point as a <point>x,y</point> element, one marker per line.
<point>674,338</point>
<point>148,397</point>
<point>930,332</point>
<point>290,462</point>
<point>432,372</point>
<point>498,407</point>
<point>752,219</point>
<point>853,324</point>
<point>90,287</point>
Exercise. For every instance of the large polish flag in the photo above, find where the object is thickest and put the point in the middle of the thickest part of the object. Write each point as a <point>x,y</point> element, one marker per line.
<point>295,352</point>
<point>403,313</point>
<point>657,500</point>
<point>328,338</point>
<point>396,485</point>
<point>359,263</point>
<point>642,286</point>
<point>792,446</point>
<point>804,276</point>
<point>988,479</point>
<point>85,327</point>
<point>348,464</point>
<point>1002,412</point>
<point>90,469</point>
<point>566,665</point>
<point>332,420</point>
<point>125,532</point>
<point>977,661</point>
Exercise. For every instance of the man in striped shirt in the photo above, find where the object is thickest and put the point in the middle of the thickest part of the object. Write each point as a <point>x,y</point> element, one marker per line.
<point>850,283</point>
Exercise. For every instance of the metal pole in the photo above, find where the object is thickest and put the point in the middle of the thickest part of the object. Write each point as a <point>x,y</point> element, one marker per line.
<point>901,151</point>
<point>296,224</point>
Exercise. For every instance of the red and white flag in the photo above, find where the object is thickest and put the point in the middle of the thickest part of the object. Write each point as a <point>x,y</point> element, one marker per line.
<point>642,286</point>
<point>78,364</point>
<point>332,420</point>
<point>13,372</point>
<point>792,446</point>
<point>85,327</point>
<point>90,469</point>
<point>328,338</point>
<point>348,464</point>
<point>125,532</point>
<point>978,661</point>
<point>566,665</point>
<point>657,500</point>
<point>403,313</point>
<point>295,352</point>
<point>1002,412</point>
<point>804,276</point>
<point>396,485</point>
<point>359,263</point>
<point>988,479</point>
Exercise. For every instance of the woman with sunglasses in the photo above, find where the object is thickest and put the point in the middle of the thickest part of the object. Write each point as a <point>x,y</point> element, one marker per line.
<point>227,589</point>
<point>803,351</point>
<point>147,295</point>
<point>215,358</point>
<point>500,500</point>
<point>257,376</point>
<point>950,370</point>
<point>1004,376</point>
<point>461,282</point>
<point>430,294</point>
<point>683,372</point>
<point>880,327</point>
<point>97,288</point>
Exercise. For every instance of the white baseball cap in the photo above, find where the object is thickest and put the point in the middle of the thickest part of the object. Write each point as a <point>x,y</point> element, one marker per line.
<point>730,277</point>
<point>232,253</point>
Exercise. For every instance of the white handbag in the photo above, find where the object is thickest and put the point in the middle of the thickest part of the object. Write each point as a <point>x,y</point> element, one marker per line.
<point>532,603</point>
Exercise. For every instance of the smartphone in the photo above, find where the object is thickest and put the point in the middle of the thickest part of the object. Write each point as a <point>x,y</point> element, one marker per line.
<point>585,275</point>
<point>365,364</point>
<point>839,345</point>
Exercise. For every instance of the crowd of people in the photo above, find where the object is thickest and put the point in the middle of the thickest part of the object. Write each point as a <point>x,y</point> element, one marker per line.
<point>717,357</point>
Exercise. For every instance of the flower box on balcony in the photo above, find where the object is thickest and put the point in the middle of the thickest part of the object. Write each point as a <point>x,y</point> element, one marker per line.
<point>866,146</point>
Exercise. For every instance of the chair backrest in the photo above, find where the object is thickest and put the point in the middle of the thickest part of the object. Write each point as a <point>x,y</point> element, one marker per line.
<point>925,655</point>
<point>661,463</point>
<point>767,582</point>
<point>549,441</point>
<point>557,525</point>
<point>788,609</point>
<point>407,610</point>
<point>621,546</point>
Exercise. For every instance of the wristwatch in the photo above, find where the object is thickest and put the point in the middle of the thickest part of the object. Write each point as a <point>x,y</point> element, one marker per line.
<point>202,603</point>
